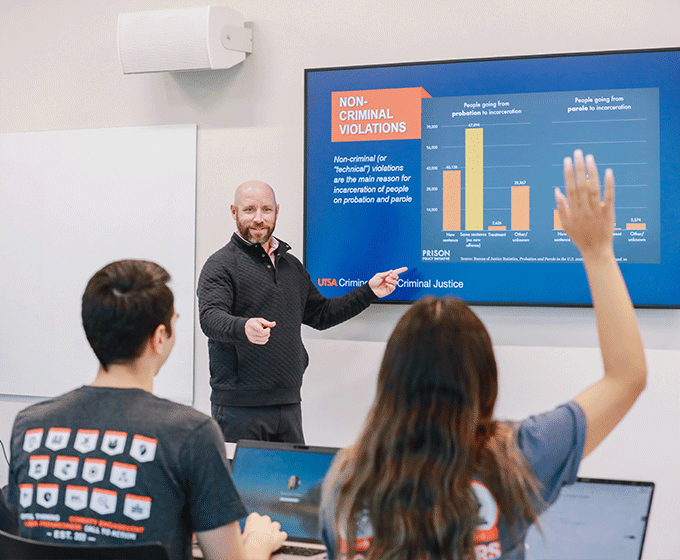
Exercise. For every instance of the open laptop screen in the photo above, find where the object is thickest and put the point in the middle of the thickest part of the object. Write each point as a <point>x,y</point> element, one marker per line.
<point>283,481</point>
<point>594,519</point>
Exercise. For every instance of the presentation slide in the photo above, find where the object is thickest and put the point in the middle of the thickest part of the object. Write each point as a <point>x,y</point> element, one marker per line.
<point>449,168</point>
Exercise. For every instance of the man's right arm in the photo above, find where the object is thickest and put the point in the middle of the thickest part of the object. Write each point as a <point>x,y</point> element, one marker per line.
<point>215,300</point>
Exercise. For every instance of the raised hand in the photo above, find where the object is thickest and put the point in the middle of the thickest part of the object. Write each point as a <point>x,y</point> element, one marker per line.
<point>585,217</point>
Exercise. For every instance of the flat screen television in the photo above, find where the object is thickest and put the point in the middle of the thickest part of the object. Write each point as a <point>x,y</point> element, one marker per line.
<point>449,168</point>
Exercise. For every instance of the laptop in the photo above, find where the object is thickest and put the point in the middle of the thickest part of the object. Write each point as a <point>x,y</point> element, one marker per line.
<point>594,519</point>
<point>283,480</point>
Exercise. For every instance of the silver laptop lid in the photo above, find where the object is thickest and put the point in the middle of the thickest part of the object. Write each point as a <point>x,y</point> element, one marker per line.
<point>283,480</point>
<point>594,519</point>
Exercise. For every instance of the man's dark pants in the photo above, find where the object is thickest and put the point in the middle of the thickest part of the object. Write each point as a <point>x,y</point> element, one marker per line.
<point>281,423</point>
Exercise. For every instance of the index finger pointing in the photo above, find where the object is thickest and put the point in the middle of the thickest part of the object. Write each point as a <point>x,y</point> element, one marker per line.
<point>401,270</point>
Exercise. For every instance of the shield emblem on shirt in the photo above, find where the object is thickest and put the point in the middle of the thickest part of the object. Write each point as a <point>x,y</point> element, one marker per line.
<point>86,440</point>
<point>47,495</point>
<point>123,475</point>
<point>143,448</point>
<point>57,438</point>
<point>93,470</point>
<point>65,468</point>
<point>137,507</point>
<point>103,501</point>
<point>113,443</point>
<point>25,495</point>
<point>32,439</point>
<point>38,465</point>
<point>75,497</point>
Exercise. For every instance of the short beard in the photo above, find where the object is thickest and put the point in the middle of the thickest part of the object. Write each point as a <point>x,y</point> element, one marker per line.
<point>245,233</point>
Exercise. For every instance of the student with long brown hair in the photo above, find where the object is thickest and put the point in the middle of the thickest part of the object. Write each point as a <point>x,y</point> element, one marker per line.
<point>433,475</point>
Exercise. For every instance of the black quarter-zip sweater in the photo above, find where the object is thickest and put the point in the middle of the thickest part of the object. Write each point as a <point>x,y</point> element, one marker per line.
<point>239,282</point>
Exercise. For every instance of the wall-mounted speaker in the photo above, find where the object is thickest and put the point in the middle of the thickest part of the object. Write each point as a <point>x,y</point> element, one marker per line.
<point>207,38</point>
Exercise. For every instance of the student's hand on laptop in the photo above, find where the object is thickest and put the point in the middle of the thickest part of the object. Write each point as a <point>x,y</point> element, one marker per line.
<point>262,536</point>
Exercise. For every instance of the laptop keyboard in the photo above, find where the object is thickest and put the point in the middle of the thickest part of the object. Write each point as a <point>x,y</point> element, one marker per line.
<point>298,550</point>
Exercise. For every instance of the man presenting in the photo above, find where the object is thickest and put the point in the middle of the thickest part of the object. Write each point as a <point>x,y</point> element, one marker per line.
<point>253,297</point>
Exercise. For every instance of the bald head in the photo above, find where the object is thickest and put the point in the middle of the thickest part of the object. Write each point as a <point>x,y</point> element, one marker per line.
<point>258,188</point>
<point>255,211</point>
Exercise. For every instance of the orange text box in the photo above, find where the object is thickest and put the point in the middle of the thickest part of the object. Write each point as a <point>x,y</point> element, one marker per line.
<point>377,114</point>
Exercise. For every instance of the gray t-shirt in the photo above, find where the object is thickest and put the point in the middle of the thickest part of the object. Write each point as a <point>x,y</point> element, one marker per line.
<point>551,442</point>
<point>103,466</point>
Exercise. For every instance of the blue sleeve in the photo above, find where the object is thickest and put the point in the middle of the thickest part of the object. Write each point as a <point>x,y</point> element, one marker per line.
<point>552,443</point>
<point>329,496</point>
<point>327,535</point>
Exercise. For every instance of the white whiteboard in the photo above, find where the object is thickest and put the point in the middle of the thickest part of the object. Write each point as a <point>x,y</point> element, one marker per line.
<point>70,202</point>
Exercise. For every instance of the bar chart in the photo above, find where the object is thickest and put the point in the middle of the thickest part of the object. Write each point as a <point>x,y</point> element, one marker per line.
<point>452,205</point>
<point>490,165</point>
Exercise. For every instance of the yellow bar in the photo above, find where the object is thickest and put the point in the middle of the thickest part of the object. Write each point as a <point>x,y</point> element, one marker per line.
<point>519,207</point>
<point>451,200</point>
<point>636,225</point>
<point>474,178</point>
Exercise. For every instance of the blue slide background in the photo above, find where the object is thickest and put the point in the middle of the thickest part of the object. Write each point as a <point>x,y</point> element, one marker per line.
<point>347,243</point>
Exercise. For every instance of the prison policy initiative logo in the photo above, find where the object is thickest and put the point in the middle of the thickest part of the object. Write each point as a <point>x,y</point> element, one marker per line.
<point>436,255</point>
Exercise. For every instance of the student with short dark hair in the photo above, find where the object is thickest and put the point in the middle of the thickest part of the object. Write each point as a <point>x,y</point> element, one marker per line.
<point>112,464</point>
<point>433,474</point>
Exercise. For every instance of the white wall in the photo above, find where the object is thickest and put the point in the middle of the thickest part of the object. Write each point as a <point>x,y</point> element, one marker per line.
<point>59,70</point>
